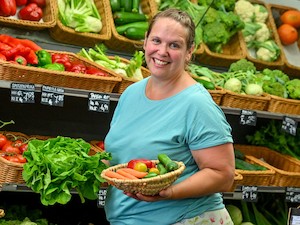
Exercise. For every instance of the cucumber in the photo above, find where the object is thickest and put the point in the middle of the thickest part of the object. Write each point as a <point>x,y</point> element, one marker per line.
<point>140,25</point>
<point>161,168</point>
<point>238,154</point>
<point>135,33</point>
<point>128,6</point>
<point>121,18</point>
<point>115,5</point>
<point>135,6</point>
<point>169,164</point>
<point>207,84</point>
<point>243,165</point>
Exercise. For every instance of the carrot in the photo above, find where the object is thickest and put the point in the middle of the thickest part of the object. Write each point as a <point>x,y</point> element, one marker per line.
<point>113,174</point>
<point>135,173</point>
<point>126,174</point>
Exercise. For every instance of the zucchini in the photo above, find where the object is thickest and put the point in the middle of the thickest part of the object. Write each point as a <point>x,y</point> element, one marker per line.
<point>135,6</point>
<point>128,6</point>
<point>115,5</point>
<point>139,25</point>
<point>207,84</point>
<point>135,33</point>
<point>243,165</point>
<point>121,18</point>
<point>168,163</point>
<point>161,168</point>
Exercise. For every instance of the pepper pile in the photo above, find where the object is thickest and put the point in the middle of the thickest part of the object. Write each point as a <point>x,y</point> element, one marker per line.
<point>31,10</point>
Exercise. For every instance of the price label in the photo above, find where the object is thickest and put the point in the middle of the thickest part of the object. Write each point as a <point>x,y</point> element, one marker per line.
<point>22,93</point>
<point>101,197</point>
<point>294,216</point>
<point>52,96</point>
<point>292,194</point>
<point>249,193</point>
<point>248,117</point>
<point>289,125</point>
<point>98,102</point>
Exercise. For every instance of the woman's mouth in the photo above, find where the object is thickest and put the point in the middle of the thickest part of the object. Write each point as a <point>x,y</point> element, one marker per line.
<point>159,62</point>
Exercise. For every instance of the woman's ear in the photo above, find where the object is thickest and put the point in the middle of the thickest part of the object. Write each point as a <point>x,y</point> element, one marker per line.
<point>145,40</point>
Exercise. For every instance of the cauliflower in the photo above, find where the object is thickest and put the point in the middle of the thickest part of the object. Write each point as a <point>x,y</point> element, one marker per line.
<point>245,10</point>
<point>249,31</point>
<point>263,33</point>
<point>267,51</point>
<point>260,13</point>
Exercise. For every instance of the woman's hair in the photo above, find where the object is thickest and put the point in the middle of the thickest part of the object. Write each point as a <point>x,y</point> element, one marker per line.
<point>180,16</point>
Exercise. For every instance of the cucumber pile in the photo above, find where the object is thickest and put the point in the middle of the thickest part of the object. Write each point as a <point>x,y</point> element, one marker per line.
<point>128,20</point>
<point>241,164</point>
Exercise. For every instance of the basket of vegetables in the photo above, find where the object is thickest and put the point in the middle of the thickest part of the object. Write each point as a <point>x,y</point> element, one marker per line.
<point>17,14</point>
<point>82,23</point>
<point>12,147</point>
<point>287,170</point>
<point>259,38</point>
<point>129,23</point>
<point>57,68</point>
<point>144,176</point>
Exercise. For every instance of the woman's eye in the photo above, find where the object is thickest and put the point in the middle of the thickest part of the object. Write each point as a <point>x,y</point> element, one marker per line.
<point>156,41</point>
<point>174,45</point>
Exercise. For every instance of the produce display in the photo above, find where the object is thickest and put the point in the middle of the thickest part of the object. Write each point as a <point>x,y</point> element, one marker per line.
<point>241,164</point>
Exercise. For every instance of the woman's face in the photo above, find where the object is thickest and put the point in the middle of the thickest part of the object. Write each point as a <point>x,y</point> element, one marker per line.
<point>166,50</point>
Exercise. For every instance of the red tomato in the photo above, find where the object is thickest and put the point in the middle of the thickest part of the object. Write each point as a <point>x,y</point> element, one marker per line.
<point>3,140</point>
<point>23,147</point>
<point>291,17</point>
<point>11,158</point>
<point>17,143</point>
<point>21,158</point>
<point>131,164</point>
<point>9,147</point>
<point>100,144</point>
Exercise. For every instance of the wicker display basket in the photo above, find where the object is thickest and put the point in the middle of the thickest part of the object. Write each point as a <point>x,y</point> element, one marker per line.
<point>146,186</point>
<point>291,52</point>
<point>11,172</point>
<point>284,105</point>
<point>217,94</point>
<point>121,86</point>
<point>95,146</point>
<point>68,35</point>
<point>29,74</point>
<point>287,169</point>
<point>260,64</point>
<point>48,20</point>
<point>117,41</point>
<point>259,177</point>
<point>237,180</point>
<point>243,101</point>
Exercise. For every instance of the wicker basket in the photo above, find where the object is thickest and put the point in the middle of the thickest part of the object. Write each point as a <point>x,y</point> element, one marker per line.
<point>287,170</point>
<point>260,64</point>
<point>14,72</point>
<point>237,180</point>
<point>146,186</point>
<point>121,86</point>
<point>68,35</point>
<point>243,101</point>
<point>118,41</point>
<point>291,64</point>
<point>256,178</point>
<point>217,94</point>
<point>48,20</point>
<point>95,146</point>
<point>284,105</point>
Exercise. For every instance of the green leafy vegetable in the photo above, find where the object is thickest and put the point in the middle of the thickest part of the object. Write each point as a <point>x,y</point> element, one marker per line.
<point>56,166</point>
<point>293,88</point>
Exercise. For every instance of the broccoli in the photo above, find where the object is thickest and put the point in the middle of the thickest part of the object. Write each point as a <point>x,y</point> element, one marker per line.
<point>223,5</point>
<point>293,88</point>
<point>276,76</point>
<point>242,65</point>
<point>275,88</point>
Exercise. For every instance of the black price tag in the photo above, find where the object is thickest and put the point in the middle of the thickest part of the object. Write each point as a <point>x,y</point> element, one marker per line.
<point>249,193</point>
<point>52,96</point>
<point>101,197</point>
<point>289,125</point>
<point>292,194</point>
<point>294,216</point>
<point>99,102</point>
<point>22,93</point>
<point>248,117</point>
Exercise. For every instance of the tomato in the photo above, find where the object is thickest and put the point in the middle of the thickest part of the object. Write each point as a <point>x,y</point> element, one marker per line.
<point>100,144</point>
<point>9,147</point>
<point>3,140</point>
<point>291,17</point>
<point>287,34</point>
<point>11,158</point>
<point>23,147</point>
<point>17,143</point>
<point>21,158</point>
<point>140,166</point>
<point>132,163</point>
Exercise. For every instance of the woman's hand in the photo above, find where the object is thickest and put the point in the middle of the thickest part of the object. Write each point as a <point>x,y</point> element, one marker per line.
<point>162,195</point>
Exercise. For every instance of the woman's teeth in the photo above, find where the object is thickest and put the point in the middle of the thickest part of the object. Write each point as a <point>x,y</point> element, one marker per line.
<point>159,62</point>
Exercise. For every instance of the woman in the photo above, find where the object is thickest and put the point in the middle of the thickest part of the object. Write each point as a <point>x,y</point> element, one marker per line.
<point>170,113</point>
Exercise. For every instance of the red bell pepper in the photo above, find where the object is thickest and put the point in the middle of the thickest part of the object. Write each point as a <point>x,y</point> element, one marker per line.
<point>95,71</point>
<point>77,67</point>
<point>21,2</point>
<point>148,163</point>
<point>8,8</point>
<point>2,57</point>
<point>62,59</point>
<point>20,60</point>
<point>40,3</point>
<point>31,12</point>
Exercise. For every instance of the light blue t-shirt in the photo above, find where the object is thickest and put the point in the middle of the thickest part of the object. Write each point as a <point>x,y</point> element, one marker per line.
<point>143,128</point>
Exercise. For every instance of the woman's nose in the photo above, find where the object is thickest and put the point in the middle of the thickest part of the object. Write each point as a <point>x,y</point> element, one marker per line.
<point>163,49</point>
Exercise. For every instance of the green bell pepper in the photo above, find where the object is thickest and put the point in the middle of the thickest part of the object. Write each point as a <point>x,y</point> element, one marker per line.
<point>54,66</point>
<point>44,57</point>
